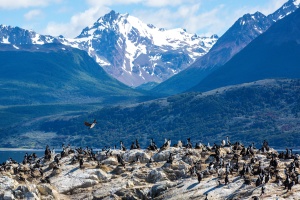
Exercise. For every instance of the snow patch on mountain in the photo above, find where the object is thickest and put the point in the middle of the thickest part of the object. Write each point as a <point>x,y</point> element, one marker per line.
<point>5,40</point>
<point>136,53</point>
<point>296,3</point>
<point>18,36</point>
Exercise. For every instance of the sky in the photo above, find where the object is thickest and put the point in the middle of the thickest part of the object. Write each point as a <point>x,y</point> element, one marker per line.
<point>69,17</point>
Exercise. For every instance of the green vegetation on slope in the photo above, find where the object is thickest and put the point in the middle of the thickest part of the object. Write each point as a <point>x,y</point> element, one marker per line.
<point>55,76</point>
<point>251,112</point>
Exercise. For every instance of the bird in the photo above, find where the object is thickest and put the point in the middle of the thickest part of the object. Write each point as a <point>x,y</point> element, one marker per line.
<point>91,125</point>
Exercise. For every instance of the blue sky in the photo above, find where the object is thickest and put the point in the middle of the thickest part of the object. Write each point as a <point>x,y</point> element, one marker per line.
<point>69,17</point>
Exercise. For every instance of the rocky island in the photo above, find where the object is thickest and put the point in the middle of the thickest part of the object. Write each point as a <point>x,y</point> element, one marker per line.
<point>180,171</point>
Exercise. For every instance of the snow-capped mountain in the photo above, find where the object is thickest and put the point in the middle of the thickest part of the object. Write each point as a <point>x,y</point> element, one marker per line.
<point>284,10</point>
<point>18,36</point>
<point>238,36</point>
<point>274,54</point>
<point>137,53</point>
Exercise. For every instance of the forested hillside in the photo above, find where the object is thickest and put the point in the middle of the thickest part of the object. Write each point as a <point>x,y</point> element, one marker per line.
<point>268,109</point>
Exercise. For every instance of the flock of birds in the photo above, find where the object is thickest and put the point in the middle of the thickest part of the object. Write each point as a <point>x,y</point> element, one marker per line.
<point>239,161</point>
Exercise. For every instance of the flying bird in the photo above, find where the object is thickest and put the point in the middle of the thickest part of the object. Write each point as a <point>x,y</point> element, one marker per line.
<point>91,125</point>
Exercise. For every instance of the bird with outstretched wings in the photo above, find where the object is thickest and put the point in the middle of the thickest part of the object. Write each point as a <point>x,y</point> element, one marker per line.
<point>90,125</point>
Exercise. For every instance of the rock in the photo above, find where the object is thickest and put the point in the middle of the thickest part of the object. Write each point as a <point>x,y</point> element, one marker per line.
<point>8,195</point>
<point>36,173</point>
<point>131,156</point>
<point>164,155</point>
<point>52,164</point>
<point>6,183</point>
<point>155,176</point>
<point>129,184</point>
<point>156,180</point>
<point>101,175</point>
<point>159,188</point>
<point>110,161</point>
<point>118,170</point>
<point>190,159</point>
<point>31,196</point>
<point>225,150</point>
<point>177,170</point>
<point>141,174</point>
<point>19,194</point>
<point>126,194</point>
<point>56,172</point>
<point>44,189</point>
<point>81,179</point>
<point>210,159</point>
<point>23,192</point>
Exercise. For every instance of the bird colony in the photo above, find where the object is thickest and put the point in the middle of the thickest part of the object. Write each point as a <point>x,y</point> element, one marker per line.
<point>179,171</point>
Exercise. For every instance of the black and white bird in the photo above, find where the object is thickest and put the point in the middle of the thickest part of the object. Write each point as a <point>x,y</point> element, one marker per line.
<point>91,125</point>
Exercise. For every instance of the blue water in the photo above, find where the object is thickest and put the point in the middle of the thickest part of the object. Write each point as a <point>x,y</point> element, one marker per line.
<point>18,155</point>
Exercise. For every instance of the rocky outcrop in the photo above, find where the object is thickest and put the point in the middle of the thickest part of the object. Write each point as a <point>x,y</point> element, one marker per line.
<point>152,176</point>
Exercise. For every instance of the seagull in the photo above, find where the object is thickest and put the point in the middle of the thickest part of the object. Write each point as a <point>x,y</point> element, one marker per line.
<point>91,125</point>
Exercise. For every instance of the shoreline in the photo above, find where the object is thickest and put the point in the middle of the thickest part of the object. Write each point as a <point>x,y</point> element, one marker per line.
<point>20,149</point>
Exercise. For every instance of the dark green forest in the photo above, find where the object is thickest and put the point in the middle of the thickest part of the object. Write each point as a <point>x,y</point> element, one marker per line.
<point>247,113</point>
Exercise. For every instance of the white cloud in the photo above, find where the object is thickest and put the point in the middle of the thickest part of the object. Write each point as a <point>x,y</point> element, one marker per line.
<point>188,14</point>
<point>16,4</point>
<point>208,22</point>
<point>163,3</point>
<point>32,14</point>
<point>185,16</point>
<point>149,3</point>
<point>272,6</point>
<point>161,18</point>
<point>76,24</point>
<point>100,3</point>
<point>188,10</point>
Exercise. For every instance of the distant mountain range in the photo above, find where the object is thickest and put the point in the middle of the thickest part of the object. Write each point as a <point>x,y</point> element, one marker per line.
<point>273,54</point>
<point>48,88</point>
<point>131,51</point>
<point>238,36</point>
<point>136,53</point>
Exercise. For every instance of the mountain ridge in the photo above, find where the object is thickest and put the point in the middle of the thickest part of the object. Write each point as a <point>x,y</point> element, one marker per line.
<point>238,36</point>
<point>273,54</point>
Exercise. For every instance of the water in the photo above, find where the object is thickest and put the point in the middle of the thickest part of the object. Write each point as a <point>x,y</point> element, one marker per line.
<point>18,155</point>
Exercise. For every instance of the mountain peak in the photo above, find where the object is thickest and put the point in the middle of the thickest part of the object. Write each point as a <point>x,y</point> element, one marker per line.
<point>135,52</point>
<point>271,55</point>
<point>111,16</point>
<point>257,16</point>
<point>284,10</point>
